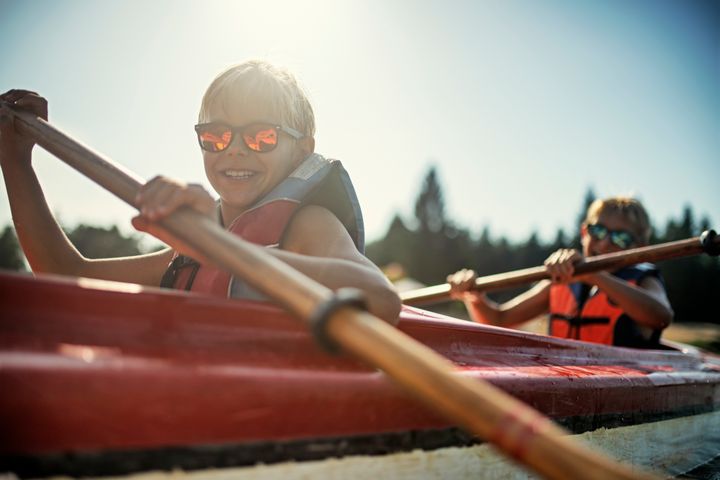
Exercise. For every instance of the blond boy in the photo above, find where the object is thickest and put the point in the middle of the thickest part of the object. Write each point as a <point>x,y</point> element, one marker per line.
<point>256,134</point>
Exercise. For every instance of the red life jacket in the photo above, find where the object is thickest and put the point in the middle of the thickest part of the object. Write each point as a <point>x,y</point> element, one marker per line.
<point>581,313</point>
<point>317,181</point>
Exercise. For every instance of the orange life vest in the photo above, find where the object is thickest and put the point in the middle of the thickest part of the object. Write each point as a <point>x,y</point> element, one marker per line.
<point>317,181</point>
<point>581,313</point>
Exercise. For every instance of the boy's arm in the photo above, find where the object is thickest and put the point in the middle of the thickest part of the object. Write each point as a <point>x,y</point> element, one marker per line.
<point>46,246</point>
<point>646,303</point>
<point>43,241</point>
<point>48,249</point>
<point>515,311</point>
<point>318,245</point>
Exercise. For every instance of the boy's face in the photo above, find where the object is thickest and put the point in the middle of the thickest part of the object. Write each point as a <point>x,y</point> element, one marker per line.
<point>241,176</point>
<point>618,234</point>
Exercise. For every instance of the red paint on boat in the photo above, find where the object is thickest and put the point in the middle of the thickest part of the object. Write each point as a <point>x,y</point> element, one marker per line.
<point>87,366</point>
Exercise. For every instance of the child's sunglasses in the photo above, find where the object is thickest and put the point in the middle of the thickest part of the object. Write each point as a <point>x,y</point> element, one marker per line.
<point>619,238</point>
<point>258,137</point>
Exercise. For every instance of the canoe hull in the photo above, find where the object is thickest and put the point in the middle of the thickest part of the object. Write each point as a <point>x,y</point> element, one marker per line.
<point>101,367</point>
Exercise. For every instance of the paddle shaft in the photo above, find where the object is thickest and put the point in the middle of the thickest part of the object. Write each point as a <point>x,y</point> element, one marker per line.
<point>479,407</point>
<point>653,253</point>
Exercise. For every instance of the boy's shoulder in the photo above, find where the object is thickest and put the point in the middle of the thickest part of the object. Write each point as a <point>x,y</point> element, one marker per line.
<point>318,187</point>
<point>638,271</point>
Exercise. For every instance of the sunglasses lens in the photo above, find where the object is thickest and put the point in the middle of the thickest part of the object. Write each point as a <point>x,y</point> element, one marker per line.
<point>260,138</point>
<point>622,239</point>
<point>598,231</point>
<point>214,138</point>
<point>619,238</point>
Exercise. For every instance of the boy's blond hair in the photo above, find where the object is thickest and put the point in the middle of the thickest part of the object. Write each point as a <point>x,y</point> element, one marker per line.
<point>629,208</point>
<point>257,81</point>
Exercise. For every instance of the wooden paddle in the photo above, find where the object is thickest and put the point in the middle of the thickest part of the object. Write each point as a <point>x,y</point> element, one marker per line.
<point>707,242</point>
<point>513,427</point>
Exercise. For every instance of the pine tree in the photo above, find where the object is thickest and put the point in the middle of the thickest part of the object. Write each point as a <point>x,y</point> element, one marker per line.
<point>560,241</point>
<point>687,225</point>
<point>394,247</point>
<point>99,242</point>
<point>430,206</point>
<point>11,256</point>
<point>590,197</point>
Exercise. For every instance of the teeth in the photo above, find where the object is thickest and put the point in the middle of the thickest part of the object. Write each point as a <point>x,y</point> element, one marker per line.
<point>239,173</point>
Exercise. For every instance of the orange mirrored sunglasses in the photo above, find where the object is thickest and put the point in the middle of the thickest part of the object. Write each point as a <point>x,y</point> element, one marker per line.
<point>258,137</point>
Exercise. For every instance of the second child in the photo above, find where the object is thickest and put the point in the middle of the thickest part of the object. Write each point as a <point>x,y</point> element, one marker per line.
<point>626,308</point>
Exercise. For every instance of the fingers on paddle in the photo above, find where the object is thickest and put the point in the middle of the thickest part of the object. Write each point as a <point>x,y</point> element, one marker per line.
<point>140,223</point>
<point>461,282</point>
<point>26,100</point>
<point>560,264</point>
<point>151,200</point>
<point>161,196</point>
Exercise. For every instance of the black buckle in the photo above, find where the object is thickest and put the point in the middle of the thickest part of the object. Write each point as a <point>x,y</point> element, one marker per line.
<point>343,297</point>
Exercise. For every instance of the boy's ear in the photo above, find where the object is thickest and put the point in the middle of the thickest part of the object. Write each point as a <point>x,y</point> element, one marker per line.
<point>307,145</point>
<point>303,148</point>
<point>583,229</point>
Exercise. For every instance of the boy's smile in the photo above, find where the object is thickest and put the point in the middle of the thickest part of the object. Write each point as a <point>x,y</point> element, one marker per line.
<point>239,174</point>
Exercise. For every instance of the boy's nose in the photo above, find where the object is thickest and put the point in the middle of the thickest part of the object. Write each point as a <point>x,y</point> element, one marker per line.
<point>605,244</point>
<point>237,147</point>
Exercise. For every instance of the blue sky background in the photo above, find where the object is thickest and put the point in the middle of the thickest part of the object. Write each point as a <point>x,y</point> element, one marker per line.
<point>521,105</point>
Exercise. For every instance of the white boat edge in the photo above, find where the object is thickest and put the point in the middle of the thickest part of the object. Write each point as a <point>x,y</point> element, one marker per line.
<point>668,448</point>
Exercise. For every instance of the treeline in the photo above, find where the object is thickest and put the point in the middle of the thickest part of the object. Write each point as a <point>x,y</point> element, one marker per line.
<point>431,245</point>
<point>91,241</point>
<point>435,245</point>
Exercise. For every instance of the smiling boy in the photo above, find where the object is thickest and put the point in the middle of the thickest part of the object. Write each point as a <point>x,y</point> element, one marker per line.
<point>256,134</point>
<point>628,307</point>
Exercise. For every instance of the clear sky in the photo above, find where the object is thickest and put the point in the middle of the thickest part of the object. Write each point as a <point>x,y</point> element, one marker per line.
<point>521,105</point>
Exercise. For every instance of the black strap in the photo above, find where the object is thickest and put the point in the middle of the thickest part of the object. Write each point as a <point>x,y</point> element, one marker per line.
<point>580,321</point>
<point>178,263</point>
<point>343,297</point>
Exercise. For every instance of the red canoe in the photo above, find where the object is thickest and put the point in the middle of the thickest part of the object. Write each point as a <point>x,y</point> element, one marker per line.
<point>102,378</point>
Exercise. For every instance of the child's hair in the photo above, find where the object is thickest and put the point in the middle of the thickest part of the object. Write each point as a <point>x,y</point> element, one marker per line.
<point>629,208</point>
<point>259,81</point>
